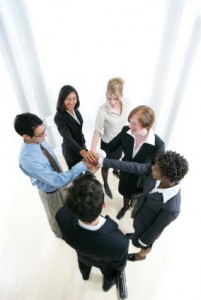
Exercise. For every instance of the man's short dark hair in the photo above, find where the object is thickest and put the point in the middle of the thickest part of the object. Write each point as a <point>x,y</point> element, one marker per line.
<point>26,123</point>
<point>85,197</point>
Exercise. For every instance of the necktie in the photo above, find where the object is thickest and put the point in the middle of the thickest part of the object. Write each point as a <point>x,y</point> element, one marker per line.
<point>51,159</point>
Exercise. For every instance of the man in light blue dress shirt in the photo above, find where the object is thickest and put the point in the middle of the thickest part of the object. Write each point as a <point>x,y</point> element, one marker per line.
<point>52,186</point>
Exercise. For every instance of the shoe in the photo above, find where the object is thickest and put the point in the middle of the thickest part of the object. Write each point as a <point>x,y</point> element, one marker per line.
<point>108,191</point>
<point>116,173</point>
<point>85,276</point>
<point>108,284</point>
<point>122,212</point>
<point>134,257</point>
<point>129,235</point>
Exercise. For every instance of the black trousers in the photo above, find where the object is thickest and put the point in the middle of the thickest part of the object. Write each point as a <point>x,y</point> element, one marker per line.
<point>108,272</point>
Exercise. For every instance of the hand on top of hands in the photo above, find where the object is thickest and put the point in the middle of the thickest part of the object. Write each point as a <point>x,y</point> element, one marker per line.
<point>91,167</point>
<point>89,156</point>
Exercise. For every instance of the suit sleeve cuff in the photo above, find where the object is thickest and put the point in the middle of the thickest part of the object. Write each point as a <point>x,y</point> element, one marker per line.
<point>141,243</point>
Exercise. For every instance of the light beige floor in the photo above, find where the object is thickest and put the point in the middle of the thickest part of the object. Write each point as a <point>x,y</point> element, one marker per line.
<point>34,265</point>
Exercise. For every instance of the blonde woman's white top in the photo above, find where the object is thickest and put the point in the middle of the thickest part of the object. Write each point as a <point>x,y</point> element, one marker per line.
<point>109,122</point>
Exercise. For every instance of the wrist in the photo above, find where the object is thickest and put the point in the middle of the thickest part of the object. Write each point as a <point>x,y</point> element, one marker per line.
<point>82,152</point>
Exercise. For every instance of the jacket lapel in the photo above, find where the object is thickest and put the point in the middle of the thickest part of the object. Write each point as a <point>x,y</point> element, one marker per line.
<point>70,118</point>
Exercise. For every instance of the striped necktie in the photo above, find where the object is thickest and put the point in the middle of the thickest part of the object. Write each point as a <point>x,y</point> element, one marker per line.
<point>51,159</point>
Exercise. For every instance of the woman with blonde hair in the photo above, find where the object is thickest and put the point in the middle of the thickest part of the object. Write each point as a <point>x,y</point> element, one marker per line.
<point>110,119</point>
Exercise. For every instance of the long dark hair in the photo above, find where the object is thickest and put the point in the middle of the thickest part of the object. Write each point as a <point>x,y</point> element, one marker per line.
<point>63,94</point>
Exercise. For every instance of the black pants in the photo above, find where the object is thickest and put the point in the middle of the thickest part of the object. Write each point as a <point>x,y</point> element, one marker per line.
<point>108,273</point>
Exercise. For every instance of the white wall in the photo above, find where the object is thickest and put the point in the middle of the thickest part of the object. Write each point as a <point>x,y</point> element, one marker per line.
<point>85,43</point>
<point>153,44</point>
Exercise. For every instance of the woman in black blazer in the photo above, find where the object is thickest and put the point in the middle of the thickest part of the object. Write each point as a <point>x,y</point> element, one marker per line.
<point>139,144</point>
<point>159,203</point>
<point>69,124</point>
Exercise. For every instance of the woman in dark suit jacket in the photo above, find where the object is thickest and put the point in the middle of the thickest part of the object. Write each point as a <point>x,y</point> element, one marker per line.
<point>139,144</point>
<point>69,124</point>
<point>159,203</point>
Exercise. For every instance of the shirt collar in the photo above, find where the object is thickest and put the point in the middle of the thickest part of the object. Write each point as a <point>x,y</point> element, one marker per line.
<point>150,137</point>
<point>111,110</point>
<point>167,193</point>
<point>95,227</point>
<point>70,113</point>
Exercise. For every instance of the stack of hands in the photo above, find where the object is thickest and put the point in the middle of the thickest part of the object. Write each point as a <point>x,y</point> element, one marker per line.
<point>91,159</point>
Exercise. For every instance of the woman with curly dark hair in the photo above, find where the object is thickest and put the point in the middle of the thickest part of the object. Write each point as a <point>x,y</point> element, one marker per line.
<point>159,204</point>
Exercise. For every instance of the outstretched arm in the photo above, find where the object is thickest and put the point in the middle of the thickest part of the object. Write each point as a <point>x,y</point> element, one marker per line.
<point>130,167</point>
<point>95,140</point>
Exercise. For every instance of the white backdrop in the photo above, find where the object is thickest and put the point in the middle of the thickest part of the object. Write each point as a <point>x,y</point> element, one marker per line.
<point>154,45</point>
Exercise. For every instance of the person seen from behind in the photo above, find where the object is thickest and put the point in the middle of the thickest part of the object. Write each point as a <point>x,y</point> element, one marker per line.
<point>96,239</point>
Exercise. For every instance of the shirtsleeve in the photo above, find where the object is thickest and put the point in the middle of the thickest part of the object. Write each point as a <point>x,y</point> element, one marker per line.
<point>100,119</point>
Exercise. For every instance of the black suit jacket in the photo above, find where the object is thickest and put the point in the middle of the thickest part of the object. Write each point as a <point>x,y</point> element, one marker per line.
<point>73,138</point>
<point>153,215</point>
<point>106,247</point>
<point>131,183</point>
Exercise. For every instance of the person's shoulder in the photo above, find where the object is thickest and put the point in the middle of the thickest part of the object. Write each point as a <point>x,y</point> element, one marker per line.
<point>24,151</point>
<point>125,128</point>
<point>28,148</point>
<point>113,224</point>
<point>102,111</point>
<point>158,140</point>
<point>63,212</point>
<point>117,237</point>
<point>29,155</point>
<point>58,115</point>
<point>103,107</point>
<point>114,234</point>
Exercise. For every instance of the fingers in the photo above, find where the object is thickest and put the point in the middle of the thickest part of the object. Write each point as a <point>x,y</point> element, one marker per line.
<point>91,157</point>
<point>91,167</point>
